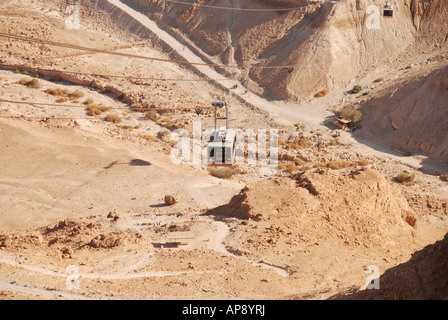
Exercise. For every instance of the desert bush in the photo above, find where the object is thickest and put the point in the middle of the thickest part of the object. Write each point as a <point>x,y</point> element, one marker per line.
<point>224,172</point>
<point>299,162</point>
<point>356,89</point>
<point>114,118</point>
<point>322,93</point>
<point>130,128</point>
<point>76,94</point>
<point>404,177</point>
<point>56,92</point>
<point>350,113</point>
<point>291,167</point>
<point>148,137</point>
<point>334,142</point>
<point>106,89</point>
<point>444,177</point>
<point>379,80</point>
<point>88,101</point>
<point>24,81</point>
<point>363,163</point>
<point>298,143</point>
<point>94,111</point>
<point>62,100</point>
<point>33,83</point>
<point>138,107</point>
<point>336,165</point>
<point>152,115</point>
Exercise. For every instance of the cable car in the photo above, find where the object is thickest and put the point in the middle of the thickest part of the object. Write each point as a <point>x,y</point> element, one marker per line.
<point>388,11</point>
<point>221,145</point>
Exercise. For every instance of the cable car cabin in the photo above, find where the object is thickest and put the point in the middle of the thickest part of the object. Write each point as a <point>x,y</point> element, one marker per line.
<point>221,146</point>
<point>388,11</point>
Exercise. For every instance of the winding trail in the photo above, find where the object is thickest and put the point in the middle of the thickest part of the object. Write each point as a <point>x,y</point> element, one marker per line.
<point>283,112</point>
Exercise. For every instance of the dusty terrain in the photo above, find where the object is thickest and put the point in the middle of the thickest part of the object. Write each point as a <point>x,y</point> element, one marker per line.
<point>81,193</point>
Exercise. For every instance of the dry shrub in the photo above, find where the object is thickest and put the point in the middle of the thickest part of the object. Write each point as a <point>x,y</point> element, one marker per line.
<point>350,113</point>
<point>356,89</point>
<point>33,83</point>
<point>57,92</point>
<point>405,177</point>
<point>298,143</point>
<point>130,128</point>
<point>114,118</point>
<point>224,172</point>
<point>306,168</point>
<point>336,165</point>
<point>444,177</point>
<point>138,107</point>
<point>299,162</point>
<point>334,142</point>
<point>76,94</point>
<point>291,167</point>
<point>62,100</point>
<point>363,163</point>
<point>322,93</point>
<point>96,110</point>
<point>24,81</point>
<point>148,137</point>
<point>88,101</point>
<point>379,80</point>
<point>152,115</point>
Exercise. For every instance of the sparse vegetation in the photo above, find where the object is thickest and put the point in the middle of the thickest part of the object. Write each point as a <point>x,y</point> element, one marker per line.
<point>56,92</point>
<point>33,83</point>
<point>298,143</point>
<point>148,137</point>
<point>444,177</point>
<point>363,163</point>
<point>322,93</point>
<point>89,101</point>
<point>96,110</point>
<point>379,80</point>
<point>299,162</point>
<point>356,89</point>
<point>405,177</point>
<point>114,118</point>
<point>334,142</point>
<point>62,100</point>
<point>350,113</point>
<point>76,94</point>
<point>291,167</point>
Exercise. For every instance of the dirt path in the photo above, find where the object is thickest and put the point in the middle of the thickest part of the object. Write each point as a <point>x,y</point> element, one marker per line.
<point>283,112</point>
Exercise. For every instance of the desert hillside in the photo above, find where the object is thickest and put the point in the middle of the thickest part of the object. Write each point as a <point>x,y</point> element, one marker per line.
<point>326,43</point>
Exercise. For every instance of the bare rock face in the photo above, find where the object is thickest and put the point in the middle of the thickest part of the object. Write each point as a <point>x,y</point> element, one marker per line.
<point>327,44</point>
<point>423,277</point>
<point>411,117</point>
<point>357,208</point>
